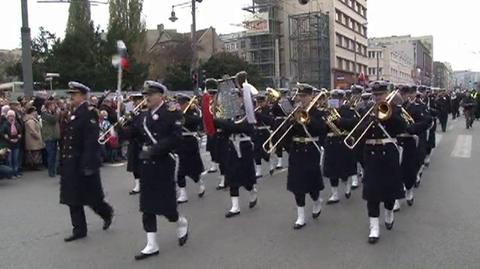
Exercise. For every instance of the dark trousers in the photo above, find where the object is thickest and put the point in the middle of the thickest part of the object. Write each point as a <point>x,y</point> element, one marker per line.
<point>300,198</point>
<point>335,181</point>
<point>77,215</point>
<point>182,182</point>
<point>235,191</point>
<point>150,221</point>
<point>443,121</point>
<point>373,207</point>
<point>51,149</point>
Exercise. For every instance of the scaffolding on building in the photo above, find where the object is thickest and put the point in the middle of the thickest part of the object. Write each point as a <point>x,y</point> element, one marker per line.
<point>310,48</point>
<point>264,48</point>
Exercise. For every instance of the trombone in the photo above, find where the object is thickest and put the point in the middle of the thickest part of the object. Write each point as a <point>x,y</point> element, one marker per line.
<point>299,114</point>
<point>190,103</point>
<point>382,111</point>
<point>103,138</point>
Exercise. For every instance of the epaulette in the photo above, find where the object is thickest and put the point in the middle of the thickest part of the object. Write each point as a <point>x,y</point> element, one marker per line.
<point>172,106</point>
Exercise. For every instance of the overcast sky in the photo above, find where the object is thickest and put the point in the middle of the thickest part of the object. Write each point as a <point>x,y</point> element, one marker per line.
<point>453,24</point>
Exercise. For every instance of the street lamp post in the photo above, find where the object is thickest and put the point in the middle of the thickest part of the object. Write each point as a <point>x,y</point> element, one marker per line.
<point>26,53</point>
<point>173,18</point>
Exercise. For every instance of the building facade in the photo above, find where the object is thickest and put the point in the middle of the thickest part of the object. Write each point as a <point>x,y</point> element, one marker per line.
<point>420,49</point>
<point>442,75</point>
<point>466,79</point>
<point>385,63</point>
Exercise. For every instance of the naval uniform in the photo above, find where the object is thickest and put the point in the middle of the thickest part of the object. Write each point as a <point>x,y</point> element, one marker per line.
<point>382,180</point>
<point>262,132</point>
<point>239,164</point>
<point>135,145</point>
<point>191,163</point>
<point>413,142</point>
<point>340,161</point>
<point>160,134</point>
<point>80,183</point>
<point>304,173</point>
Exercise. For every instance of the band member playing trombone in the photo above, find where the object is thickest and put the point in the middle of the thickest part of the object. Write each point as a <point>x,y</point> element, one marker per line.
<point>191,163</point>
<point>280,113</point>
<point>304,175</point>
<point>340,162</point>
<point>160,134</point>
<point>134,143</point>
<point>262,132</point>
<point>239,164</point>
<point>382,180</point>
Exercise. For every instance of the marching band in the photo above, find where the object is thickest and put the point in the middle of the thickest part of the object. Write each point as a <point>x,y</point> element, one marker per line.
<point>379,138</point>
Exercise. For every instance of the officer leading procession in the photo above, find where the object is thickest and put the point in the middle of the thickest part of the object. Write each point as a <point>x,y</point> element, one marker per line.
<point>269,154</point>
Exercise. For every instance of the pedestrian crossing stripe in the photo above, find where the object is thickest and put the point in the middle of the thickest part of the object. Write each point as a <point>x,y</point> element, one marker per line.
<point>463,147</point>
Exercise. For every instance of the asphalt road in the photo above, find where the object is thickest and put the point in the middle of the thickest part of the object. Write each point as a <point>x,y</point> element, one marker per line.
<point>442,230</point>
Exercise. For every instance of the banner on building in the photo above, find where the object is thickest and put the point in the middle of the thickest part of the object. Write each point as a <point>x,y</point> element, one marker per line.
<point>257,23</point>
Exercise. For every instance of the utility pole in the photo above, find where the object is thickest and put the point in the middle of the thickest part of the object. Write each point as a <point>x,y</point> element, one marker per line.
<point>26,53</point>
<point>194,46</point>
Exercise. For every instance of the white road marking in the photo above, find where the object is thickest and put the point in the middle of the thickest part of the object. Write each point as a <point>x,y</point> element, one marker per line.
<point>438,138</point>
<point>463,147</point>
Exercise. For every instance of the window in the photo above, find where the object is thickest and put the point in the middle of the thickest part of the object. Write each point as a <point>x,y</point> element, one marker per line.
<point>339,63</point>
<point>347,65</point>
<point>338,16</point>
<point>339,40</point>
<point>380,71</point>
<point>347,43</point>
<point>350,3</point>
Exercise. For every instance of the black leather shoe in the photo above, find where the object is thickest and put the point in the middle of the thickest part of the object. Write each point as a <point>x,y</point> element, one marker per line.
<point>354,187</point>
<point>257,177</point>
<point>410,202</point>
<point>132,192</point>
<point>331,202</point>
<point>316,215</point>
<point>232,214</point>
<point>182,202</point>
<point>201,194</point>
<point>396,209</point>
<point>107,223</point>
<point>74,237</point>
<point>348,194</point>
<point>183,240</point>
<point>372,240</point>
<point>252,204</point>
<point>279,167</point>
<point>271,171</point>
<point>221,187</point>
<point>212,171</point>
<point>298,226</point>
<point>143,256</point>
<point>389,226</point>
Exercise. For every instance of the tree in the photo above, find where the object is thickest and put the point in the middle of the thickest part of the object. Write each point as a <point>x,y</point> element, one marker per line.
<point>177,77</point>
<point>224,63</point>
<point>125,24</point>
<point>79,18</point>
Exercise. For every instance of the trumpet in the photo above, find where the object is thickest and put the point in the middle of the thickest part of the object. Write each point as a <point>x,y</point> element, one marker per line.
<point>381,111</point>
<point>300,115</point>
<point>333,115</point>
<point>103,138</point>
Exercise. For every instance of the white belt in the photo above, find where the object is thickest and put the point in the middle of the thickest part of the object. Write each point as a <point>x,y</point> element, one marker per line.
<point>263,128</point>
<point>406,135</point>
<point>189,133</point>
<point>236,140</point>
<point>305,139</point>
<point>382,141</point>
<point>334,135</point>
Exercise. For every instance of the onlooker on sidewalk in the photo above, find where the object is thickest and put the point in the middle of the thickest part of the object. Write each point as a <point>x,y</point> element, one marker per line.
<point>33,139</point>
<point>11,131</point>
<point>51,134</point>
